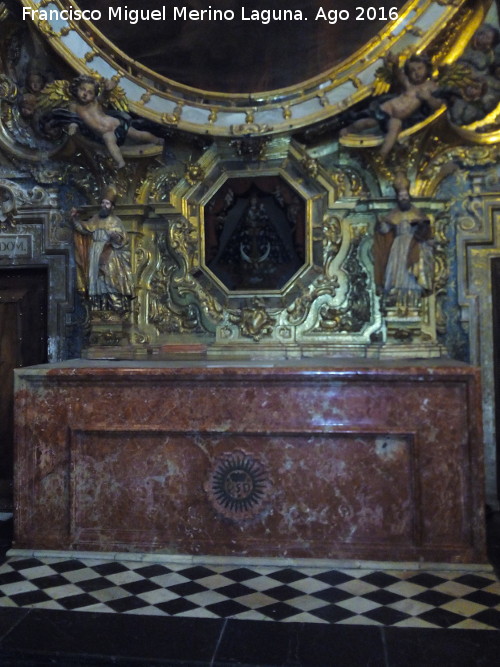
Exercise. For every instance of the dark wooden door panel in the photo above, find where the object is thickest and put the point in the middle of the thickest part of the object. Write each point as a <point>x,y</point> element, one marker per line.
<point>23,342</point>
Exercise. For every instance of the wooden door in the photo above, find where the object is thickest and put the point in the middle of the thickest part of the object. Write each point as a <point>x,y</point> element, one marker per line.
<point>23,342</point>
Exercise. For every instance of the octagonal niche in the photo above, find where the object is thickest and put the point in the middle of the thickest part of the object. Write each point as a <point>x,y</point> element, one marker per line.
<point>255,235</point>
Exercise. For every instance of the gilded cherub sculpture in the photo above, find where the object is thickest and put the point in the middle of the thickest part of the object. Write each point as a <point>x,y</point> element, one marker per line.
<point>98,109</point>
<point>482,51</point>
<point>416,95</point>
<point>392,113</point>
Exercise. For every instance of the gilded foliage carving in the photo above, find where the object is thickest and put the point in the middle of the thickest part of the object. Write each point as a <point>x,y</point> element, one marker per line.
<point>177,303</point>
<point>355,312</point>
<point>255,321</point>
<point>157,184</point>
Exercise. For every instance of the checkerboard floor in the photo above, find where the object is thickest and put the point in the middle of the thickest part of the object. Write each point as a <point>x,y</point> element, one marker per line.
<point>398,598</point>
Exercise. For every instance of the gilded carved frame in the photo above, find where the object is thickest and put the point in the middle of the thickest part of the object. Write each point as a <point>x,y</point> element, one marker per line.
<point>443,26</point>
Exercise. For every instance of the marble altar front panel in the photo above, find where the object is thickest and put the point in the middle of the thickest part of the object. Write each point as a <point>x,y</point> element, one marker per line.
<point>369,460</point>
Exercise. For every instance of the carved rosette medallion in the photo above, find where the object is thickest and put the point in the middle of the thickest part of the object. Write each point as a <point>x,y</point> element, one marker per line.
<point>238,486</point>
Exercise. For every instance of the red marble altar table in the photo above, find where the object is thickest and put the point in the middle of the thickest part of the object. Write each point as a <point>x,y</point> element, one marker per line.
<point>312,458</point>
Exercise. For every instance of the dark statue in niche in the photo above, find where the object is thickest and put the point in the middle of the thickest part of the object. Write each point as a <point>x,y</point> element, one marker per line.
<point>255,234</point>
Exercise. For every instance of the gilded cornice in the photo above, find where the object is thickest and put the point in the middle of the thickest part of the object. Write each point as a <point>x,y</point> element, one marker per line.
<point>440,27</point>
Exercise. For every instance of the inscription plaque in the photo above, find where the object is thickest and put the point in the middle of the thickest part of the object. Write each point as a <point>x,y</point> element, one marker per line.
<point>15,245</point>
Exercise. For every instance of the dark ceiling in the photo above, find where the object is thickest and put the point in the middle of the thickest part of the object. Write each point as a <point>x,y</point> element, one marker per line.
<point>241,56</point>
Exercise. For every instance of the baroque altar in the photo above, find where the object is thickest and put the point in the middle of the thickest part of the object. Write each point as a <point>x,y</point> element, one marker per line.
<point>346,460</point>
<point>319,242</point>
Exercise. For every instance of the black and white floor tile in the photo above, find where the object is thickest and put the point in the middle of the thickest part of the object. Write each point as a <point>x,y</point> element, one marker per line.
<point>450,599</point>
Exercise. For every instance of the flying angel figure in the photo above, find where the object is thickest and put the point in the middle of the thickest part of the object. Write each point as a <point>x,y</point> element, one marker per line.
<point>98,110</point>
<point>396,111</point>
